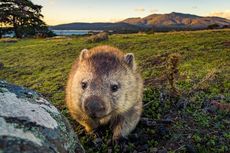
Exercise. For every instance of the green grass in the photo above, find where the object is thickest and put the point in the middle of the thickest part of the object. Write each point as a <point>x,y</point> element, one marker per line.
<point>43,65</point>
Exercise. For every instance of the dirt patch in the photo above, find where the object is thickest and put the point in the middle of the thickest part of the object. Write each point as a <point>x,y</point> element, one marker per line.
<point>226,43</point>
<point>155,81</point>
<point>156,61</point>
<point>9,40</point>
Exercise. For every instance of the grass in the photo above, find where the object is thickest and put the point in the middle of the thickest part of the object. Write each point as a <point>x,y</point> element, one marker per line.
<point>204,76</point>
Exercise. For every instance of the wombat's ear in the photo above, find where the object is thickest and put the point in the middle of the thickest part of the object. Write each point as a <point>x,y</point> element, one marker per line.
<point>83,54</point>
<point>130,60</point>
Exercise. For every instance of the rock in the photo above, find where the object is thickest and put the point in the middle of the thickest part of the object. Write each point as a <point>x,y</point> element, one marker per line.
<point>162,151</point>
<point>110,150</point>
<point>162,130</point>
<point>153,150</point>
<point>143,148</point>
<point>143,139</point>
<point>182,103</point>
<point>148,122</point>
<point>219,97</point>
<point>190,148</point>
<point>29,123</point>
<point>133,137</point>
<point>97,142</point>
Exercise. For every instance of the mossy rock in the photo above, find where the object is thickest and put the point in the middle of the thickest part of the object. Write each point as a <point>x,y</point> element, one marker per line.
<point>29,123</point>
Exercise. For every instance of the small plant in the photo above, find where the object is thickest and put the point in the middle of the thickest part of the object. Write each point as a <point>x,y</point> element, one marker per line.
<point>172,71</point>
<point>1,65</point>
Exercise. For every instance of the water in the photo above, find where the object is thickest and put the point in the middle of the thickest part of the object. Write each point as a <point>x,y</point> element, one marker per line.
<point>73,32</point>
<point>64,32</point>
<point>9,35</point>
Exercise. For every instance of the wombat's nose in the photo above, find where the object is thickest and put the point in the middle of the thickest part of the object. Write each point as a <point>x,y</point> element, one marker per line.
<point>94,105</point>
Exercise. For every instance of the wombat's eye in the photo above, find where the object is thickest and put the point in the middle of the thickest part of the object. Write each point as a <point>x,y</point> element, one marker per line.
<point>83,85</point>
<point>114,88</point>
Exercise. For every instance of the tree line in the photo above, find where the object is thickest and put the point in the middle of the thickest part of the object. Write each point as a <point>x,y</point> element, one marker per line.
<point>23,18</point>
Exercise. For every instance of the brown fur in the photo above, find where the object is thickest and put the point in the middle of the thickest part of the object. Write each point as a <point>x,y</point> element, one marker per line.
<point>101,67</point>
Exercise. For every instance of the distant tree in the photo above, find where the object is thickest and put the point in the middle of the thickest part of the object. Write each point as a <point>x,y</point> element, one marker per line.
<point>213,26</point>
<point>226,26</point>
<point>151,31</point>
<point>23,16</point>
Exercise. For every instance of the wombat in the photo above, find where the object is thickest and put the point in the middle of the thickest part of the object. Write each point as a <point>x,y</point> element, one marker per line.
<point>104,87</point>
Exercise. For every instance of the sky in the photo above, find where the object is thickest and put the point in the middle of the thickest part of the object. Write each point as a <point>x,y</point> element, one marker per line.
<point>68,11</point>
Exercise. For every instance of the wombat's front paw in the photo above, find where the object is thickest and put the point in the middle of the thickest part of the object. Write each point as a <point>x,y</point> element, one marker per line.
<point>117,135</point>
<point>119,140</point>
<point>91,127</point>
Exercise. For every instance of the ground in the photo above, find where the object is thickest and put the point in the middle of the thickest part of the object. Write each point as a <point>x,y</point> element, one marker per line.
<point>194,118</point>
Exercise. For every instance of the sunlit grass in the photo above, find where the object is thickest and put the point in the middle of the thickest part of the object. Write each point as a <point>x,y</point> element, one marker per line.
<point>43,65</point>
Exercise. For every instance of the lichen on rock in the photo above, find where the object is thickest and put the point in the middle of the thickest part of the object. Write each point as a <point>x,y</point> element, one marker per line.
<point>29,123</point>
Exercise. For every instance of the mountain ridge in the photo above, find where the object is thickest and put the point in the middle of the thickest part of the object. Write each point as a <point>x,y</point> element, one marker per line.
<point>177,19</point>
<point>170,21</point>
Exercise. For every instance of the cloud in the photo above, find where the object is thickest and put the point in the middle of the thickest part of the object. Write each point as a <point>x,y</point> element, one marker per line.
<point>224,14</point>
<point>194,7</point>
<point>45,2</point>
<point>52,2</point>
<point>140,9</point>
<point>115,20</point>
<point>154,11</point>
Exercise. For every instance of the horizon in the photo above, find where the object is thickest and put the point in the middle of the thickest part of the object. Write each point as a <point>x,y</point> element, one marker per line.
<point>71,11</point>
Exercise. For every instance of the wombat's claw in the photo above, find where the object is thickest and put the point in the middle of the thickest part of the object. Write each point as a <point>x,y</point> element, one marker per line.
<point>119,140</point>
<point>98,132</point>
<point>91,128</point>
<point>123,139</point>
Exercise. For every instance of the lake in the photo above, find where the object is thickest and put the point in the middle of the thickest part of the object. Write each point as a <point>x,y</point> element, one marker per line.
<point>64,32</point>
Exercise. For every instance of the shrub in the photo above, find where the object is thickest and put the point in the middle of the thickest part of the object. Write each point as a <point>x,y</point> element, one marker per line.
<point>98,37</point>
<point>213,26</point>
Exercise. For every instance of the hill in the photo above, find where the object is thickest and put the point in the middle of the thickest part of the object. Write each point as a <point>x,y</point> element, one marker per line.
<point>157,22</point>
<point>121,26</point>
<point>177,20</point>
<point>187,123</point>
